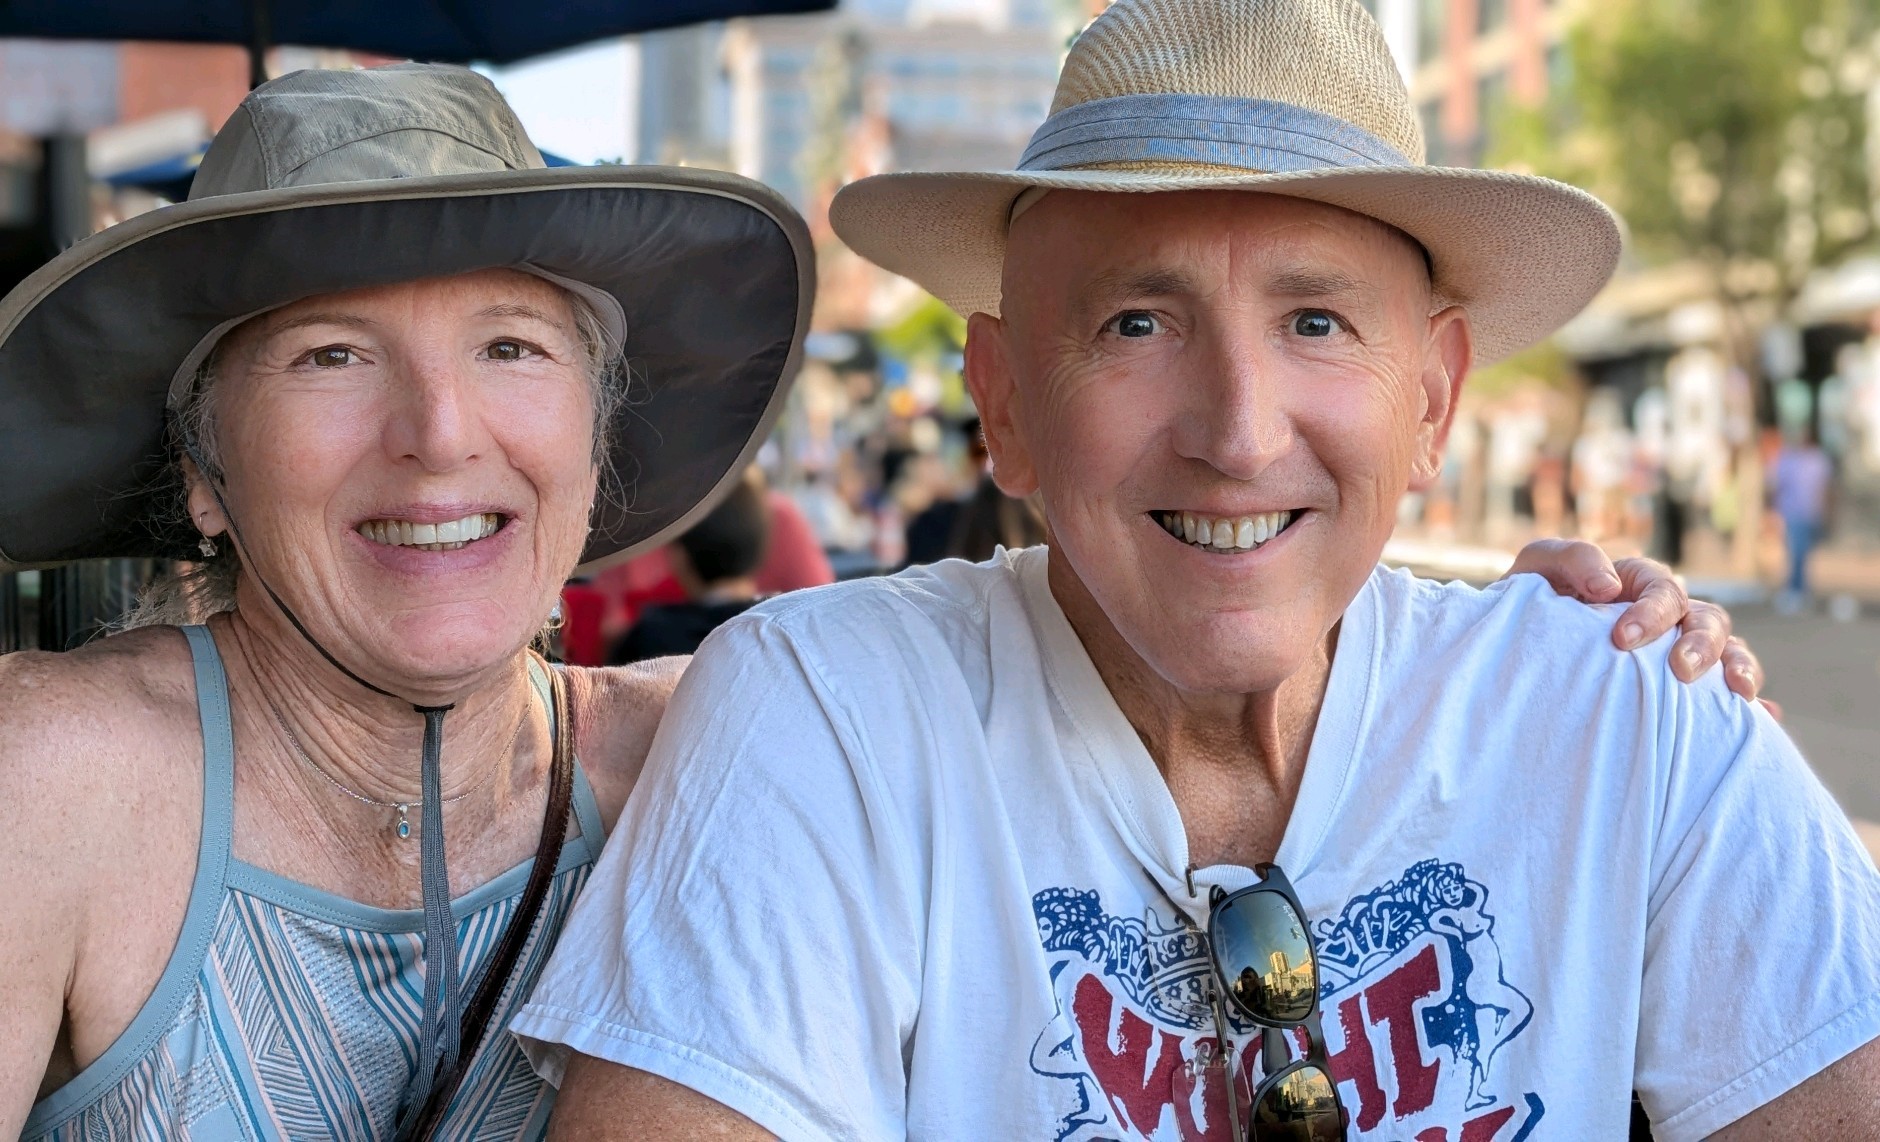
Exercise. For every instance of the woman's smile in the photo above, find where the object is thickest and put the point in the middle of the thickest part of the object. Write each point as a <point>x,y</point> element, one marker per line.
<point>470,542</point>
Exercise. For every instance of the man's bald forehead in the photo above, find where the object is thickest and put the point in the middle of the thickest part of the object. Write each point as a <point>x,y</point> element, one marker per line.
<point>1038,237</point>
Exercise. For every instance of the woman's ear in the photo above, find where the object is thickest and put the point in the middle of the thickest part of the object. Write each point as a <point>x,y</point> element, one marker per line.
<point>204,510</point>
<point>990,379</point>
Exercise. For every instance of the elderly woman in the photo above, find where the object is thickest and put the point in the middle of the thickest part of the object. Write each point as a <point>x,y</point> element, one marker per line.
<point>291,870</point>
<point>288,872</point>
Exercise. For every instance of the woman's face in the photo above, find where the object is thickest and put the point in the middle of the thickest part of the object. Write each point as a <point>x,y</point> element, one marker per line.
<point>410,467</point>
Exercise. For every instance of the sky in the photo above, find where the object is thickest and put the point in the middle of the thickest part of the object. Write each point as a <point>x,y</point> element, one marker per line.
<point>580,104</point>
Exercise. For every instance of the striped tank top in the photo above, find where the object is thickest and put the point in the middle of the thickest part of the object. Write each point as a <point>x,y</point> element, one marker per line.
<point>286,1012</point>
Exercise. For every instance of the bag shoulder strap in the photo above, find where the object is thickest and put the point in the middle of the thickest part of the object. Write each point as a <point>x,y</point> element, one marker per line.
<point>489,989</point>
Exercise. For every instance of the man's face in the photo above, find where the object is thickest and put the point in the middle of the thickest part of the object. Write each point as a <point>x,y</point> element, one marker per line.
<point>1167,359</point>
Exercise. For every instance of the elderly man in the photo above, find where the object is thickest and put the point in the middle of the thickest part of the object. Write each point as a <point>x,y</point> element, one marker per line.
<point>1198,824</point>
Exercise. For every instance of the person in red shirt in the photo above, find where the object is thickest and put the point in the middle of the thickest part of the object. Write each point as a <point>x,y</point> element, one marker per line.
<point>601,610</point>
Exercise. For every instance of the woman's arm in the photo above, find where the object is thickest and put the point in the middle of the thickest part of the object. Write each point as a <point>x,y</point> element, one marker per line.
<point>38,919</point>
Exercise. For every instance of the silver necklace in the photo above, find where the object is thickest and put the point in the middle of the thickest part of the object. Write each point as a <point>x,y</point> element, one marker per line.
<point>402,825</point>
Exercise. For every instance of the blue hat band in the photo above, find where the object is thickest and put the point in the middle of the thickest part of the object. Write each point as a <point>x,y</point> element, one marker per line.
<point>1254,134</point>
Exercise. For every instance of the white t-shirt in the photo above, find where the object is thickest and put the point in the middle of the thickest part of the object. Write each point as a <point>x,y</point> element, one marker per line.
<point>898,866</point>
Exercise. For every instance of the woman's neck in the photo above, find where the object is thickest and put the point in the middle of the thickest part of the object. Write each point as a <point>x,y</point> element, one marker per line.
<point>370,744</point>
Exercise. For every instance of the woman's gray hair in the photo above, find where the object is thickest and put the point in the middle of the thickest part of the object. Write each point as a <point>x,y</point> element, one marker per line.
<point>191,592</point>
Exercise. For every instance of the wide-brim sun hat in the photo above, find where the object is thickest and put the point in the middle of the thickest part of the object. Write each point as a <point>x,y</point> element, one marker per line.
<point>1292,97</point>
<point>325,181</point>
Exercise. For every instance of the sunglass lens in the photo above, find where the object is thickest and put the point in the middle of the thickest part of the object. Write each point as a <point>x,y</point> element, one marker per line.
<point>1301,1107</point>
<point>1265,958</point>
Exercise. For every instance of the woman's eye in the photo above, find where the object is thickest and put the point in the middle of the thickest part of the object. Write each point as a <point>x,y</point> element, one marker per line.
<point>506,350</point>
<point>1316,323</point>
<point>1135,325</point>
<point>330,357</point>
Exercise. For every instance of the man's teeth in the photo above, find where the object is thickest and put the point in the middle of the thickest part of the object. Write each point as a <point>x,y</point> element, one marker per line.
<point>1217,534</point>
<point>432,536</point>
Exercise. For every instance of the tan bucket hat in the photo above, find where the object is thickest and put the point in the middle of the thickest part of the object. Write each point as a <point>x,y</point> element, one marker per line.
<point>1293,97</point>
<point>324,181</point>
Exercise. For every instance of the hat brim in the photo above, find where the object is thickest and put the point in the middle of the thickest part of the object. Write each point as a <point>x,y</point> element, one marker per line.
<point>1521,254</point>
<point>715,274</point>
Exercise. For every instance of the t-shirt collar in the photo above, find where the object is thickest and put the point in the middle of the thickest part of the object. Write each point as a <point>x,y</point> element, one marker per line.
<point>1139,798</point>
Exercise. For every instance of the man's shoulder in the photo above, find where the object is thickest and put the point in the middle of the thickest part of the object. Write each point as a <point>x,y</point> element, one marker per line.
<point>952,600</point>
<point>1535,657</point>
<point>929,638</point>
<point>1520,619</point>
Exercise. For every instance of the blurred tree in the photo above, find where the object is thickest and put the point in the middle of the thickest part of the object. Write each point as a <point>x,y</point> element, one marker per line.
<point>929,332</point>
<point>1727,131</point>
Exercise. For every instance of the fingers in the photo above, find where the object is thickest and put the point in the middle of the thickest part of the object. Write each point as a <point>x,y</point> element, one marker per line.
<point>1743,673</point>
<point>1704,641</point>
<point>1774,707</point>
<point>1573,567</point>
<point>1658,604</point>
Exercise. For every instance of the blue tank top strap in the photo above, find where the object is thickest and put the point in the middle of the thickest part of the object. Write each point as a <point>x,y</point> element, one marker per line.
<point>218,752</point>
<point>176,985</point>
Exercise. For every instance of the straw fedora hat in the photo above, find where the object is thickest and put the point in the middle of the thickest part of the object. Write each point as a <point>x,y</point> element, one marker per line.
<point>1292,97</point>
<point>325,181</point>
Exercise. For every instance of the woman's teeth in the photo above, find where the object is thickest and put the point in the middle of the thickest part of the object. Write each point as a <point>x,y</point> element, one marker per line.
<point>432,536</point>
<point>1237,534</point>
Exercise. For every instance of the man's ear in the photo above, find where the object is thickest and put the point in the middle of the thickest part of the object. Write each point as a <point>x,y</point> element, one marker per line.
<point>204,511</point>
<point>991,380</point>
<point>1446,362</point>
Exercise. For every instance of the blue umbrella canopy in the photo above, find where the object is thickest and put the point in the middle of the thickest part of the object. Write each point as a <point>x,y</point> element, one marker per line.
<point>495,31</point>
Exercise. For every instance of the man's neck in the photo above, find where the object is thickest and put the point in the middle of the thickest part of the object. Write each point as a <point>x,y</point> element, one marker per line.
<point>1233,762</point>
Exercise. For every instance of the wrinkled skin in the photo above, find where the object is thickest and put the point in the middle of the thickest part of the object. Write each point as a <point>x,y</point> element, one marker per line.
<point>442,397</point>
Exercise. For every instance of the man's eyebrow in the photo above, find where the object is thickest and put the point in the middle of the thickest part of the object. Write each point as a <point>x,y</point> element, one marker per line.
<point>1301,282</point>
<point>1140,283</point>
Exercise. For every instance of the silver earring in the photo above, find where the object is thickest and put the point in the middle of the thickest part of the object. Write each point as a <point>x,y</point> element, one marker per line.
<point>207,547</point>
<point>555,618</point>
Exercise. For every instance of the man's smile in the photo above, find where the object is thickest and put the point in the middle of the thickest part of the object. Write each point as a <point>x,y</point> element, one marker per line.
<point>1224,534</point>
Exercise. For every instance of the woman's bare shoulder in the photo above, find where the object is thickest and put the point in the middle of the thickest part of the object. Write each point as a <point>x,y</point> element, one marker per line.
<point>97,774</point>
<point>96,714</point>
<point>617,710</point>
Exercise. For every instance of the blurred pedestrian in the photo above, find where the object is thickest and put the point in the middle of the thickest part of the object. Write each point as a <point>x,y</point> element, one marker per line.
<point>716,563</point>
<point>1799,486</point>
<point>1602,463</point>
<point>930,532</point>
<point>974,527</point>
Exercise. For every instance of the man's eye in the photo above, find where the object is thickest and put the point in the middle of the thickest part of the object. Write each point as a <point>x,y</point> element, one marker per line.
<point>1135,325</point>
<point>330,357</point>
<point>506,350</point>
<point>1316,323</point>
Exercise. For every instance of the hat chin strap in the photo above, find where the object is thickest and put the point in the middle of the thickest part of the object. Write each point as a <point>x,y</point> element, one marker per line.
<point>440,1035</point>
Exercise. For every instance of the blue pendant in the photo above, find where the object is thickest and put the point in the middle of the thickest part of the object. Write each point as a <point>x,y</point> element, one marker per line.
<point>404,826</point>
